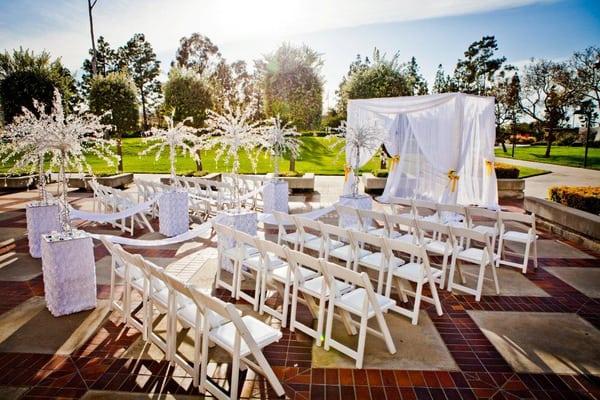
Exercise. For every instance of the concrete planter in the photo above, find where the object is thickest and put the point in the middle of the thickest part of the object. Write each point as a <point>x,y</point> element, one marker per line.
<point>213,176</point>
<point>304,183</point>
<point>18,182</point>
<point>511,189</point>
<point>114,181</point>
<point>373,183</point>
<point>570,223</point>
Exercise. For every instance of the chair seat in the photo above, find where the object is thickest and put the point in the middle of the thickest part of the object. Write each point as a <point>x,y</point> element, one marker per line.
<point>354,300</point>
<point>280,273</point>
<point>262,334</point>
<point>187,313</point>
<point>439,247</point>
<point>161,297</point>
<point>373,230</point>
<point>316,244</point>
<point>490,230</point>
<point>345,253</point>
<point>239,253</point>
<point>314,286</point>
<point>374,261</point>
<point>255,262</point>
<point>413,272</point>
<point>407,237</point>
<point>473,255</point>
<point>429,218</point>
<point>514,236</point>
<point>134,272</point>
<point>297,237</point>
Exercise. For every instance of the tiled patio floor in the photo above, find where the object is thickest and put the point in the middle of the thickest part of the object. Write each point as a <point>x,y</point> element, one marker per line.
<point>538,339</point>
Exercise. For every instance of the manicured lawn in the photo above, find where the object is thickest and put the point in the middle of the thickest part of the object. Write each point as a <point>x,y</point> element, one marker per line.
<point>561,155</point>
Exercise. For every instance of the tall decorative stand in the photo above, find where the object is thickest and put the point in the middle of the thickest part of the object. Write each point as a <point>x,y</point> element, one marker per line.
<point>42,218</point>
<point>173,214</point>
<point>275,196</point>
<point>245,221</point>
<point>362,201</point>
<point>69,272</point>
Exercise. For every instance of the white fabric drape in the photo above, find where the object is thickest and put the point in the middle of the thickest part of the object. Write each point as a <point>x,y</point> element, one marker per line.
<point>428,137</point>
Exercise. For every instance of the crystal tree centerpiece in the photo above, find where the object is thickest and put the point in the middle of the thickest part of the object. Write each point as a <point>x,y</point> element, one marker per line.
<point>362,138</point>
<point>175,136</point>
<point>231,133</point>
<point>70,138</point>
<point>280,139</point>
<point>26,145</point>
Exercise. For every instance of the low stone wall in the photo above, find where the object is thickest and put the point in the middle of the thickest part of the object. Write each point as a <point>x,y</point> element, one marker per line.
<point>304,183</point>
<point>511,189</point>
<point>114,181</point>
<point>17,182</point>
<point>373,183</point>
<point>572,224</point>
<point>213,176</point>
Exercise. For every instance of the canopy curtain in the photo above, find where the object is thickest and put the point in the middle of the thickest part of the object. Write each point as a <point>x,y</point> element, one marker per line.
<point>442,146</point>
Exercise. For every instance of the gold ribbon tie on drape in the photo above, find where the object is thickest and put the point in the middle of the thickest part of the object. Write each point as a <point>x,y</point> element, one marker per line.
<point>453,177</point>
<point>394,161</point>
<point>347,169</point>
<point>489,167</point>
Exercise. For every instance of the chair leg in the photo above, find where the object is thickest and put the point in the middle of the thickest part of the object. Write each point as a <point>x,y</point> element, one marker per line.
<point>452,271</point>
<point>329,325</point>
<point>535,256</point>
<point>436,298</point>
<point>362,338</point>
<point>526,256</point>
<point>495,275</point>
<point>417,306</point>
<point>444,267</point>
<point>480,281</point>
<point>387,336</point>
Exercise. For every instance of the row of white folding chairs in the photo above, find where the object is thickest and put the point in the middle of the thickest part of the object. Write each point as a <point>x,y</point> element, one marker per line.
<point>348,245</point>
<point>502,226</point>
<point>315,282</point>
<point>109,200</point>
<point>248,184</point>
<point>213,322</point>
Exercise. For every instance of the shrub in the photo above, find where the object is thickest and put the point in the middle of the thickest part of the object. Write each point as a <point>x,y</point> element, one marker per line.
<point>380,173</point>
<point>196,174</point>
<point>586,198</point>
<point>506,171</point>
<point>290,174</point>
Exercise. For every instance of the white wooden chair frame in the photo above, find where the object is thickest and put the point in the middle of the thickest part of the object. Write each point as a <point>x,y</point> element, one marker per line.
<point>529,241</point>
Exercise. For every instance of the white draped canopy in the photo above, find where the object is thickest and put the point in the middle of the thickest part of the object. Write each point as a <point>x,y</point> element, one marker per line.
<point>442,146</point>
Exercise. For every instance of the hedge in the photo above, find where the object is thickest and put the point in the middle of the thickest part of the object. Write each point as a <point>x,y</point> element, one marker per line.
<point>506,171</point>
<point>586,198</point>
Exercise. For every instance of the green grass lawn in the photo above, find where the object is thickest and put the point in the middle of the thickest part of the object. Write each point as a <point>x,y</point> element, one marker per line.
<point>561,155</point>
<point>315,156</point>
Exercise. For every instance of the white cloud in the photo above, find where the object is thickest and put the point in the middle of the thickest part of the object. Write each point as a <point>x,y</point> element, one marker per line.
<point>64,31</point>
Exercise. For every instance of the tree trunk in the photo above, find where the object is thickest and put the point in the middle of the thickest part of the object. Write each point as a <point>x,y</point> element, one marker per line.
<point>94,62</point>
<point>199,161</point>
<point>292,164</point>
<point>504,149</point>
<point>144,116</point>
<point>119,153</point>
<point>549,140</point>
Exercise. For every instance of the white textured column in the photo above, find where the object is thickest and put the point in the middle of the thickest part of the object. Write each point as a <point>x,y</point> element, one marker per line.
<point>275,196</point>
<point>41,219</point>
<point>245,221</point>
<point>69,273</point>
<point>173,214</point>
<point>363,202</point>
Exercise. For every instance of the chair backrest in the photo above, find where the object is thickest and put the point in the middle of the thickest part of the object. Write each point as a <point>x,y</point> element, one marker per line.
<point>224,230</point>
<point>402,222</point>
<point>298,259</point>
<point>424,207</point>
<point>410,250</point>
<point>132,260</point>
<point>305,223</point>
<point>452,212</point>
<point>361,238</point>
<point>332,230</point>
<point>480,212</point>
<point>483,238</point>
<point>428,229</point>
<point>528,219</point>
<point>266,247</point>
<point>174,283</point>
<point>244,238</point>
<point>370,215</point>
<point>332,272</point>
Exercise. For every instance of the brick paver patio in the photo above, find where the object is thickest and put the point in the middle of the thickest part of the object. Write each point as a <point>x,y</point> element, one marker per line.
<point>538,339</point>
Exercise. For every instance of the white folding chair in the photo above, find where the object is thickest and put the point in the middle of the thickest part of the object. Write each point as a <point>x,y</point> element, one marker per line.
<point>452,215</point>
<point>311,285</point>
<point>294,238</point>
<point>402,227</point>
<point>484,221</point>
<point>437,240</point>
<point>361,301</point>
<point>241,337</point>
<point>229,251</point>
<point>401,206</point>
<point>377,259</point>
<point>526,235</point>
<point>418,272</point>
<point>426,210</point>
<point>482,256</point>
<point>348,217</point>
<point>249,265</point>
<point>347,252</point>
<point>373,222</point>
<point>312,241</point>
<point>158,298</point>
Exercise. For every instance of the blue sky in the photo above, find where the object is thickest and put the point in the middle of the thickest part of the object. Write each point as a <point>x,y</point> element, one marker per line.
<point>433,31</point>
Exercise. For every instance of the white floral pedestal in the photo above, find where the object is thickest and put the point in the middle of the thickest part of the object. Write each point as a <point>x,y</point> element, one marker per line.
<point>41,219</point>
<point>362,201</point>
<point>173,214</point>
<point>275,196</point>
<point>69,272</point>
<point>245,221</point>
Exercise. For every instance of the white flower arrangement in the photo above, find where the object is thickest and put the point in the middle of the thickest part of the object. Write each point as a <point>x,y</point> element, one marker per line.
<point>279,140</point>
<point>175,136</point>
<point>362,137</point>
<point>233,132</point>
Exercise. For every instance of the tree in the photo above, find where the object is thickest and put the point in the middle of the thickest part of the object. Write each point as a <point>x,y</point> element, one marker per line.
<point>25,76</point>
<point>292,86</point>
<point>506,89</point>
<point>546,96</point>
<point>138,58</point>
<point>443,83</point>
<point>379,78</point>
<point>474,73</point>
<point>91,5</point>
<point>116,94</point>
<point>416,82</point>
<point>198,53</point>
<point>232,83</point>
<point>586,65</point>
<point>188,94</point>
<point>107,61</point>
